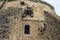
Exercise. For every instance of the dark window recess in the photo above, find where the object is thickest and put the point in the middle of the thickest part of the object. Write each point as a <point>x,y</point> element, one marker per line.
<point>22,3</point>
<point>27,29</point>
<point>28,12</point>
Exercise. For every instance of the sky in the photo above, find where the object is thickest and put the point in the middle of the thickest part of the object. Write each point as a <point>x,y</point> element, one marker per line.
<point>55,4</point>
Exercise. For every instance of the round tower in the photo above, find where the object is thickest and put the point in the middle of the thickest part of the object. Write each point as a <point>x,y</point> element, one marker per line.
<point>27,20</point>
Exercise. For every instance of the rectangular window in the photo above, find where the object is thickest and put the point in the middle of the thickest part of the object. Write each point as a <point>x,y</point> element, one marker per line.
<point>27,29</point>
<point>28,11</point>
<point>22,3</point>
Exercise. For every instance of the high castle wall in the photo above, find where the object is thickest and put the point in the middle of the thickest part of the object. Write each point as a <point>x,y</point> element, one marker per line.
<point>11,18</point>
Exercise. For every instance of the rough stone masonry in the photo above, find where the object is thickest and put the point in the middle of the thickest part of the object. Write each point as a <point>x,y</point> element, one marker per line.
<point>28,20</point>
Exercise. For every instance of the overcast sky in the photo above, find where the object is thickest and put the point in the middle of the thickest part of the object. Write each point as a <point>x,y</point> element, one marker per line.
<point>56,5</point>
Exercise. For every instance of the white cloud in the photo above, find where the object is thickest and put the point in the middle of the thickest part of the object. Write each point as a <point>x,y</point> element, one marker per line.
<point>56,4</point>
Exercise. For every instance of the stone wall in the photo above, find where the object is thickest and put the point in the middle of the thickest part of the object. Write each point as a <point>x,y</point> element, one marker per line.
<point>54,26</point>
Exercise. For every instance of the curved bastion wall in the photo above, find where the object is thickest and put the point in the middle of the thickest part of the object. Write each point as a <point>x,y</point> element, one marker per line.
<point>27,20</point>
